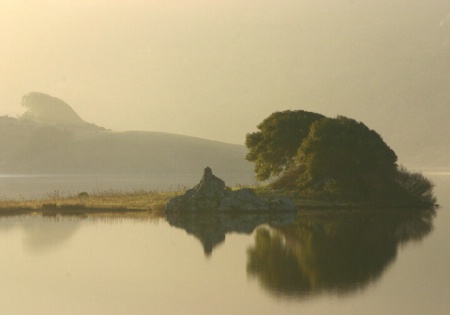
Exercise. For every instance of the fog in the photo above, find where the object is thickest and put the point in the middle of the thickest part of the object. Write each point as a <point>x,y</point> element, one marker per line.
<point>215,69</point>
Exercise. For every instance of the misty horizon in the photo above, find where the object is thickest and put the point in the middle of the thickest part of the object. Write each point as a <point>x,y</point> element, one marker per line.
<point>215,70</point>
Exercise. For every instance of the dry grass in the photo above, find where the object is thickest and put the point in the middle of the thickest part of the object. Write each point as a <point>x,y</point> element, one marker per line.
<point>108,201</point>
<point>135,204</point>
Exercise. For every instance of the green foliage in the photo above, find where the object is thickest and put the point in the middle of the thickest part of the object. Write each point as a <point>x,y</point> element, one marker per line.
<point>335,159</point>
<point>346,158</point>
<point>275,145</point>
<point>417,189</point>
<point>83,195</point>
<point>289,179</point>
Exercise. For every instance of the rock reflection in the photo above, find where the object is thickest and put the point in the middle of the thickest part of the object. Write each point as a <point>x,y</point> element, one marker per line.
<point>211,228</point>
<point>332,253</point>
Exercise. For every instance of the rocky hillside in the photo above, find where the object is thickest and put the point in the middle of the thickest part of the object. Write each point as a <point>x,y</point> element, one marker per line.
<point>43,108</point>
<point>50,138</point>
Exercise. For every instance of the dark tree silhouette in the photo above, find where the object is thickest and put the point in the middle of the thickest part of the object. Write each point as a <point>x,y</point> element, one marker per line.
<point>333,158</point>
<point>347,158</point>
<point>275,145</point>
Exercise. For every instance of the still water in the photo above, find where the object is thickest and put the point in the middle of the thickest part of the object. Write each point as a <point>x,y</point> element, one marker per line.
<point>322,263</point>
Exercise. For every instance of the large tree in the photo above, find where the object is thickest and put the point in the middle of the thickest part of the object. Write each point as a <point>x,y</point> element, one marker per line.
<point>274,147</point>
<point>338,158</point>
<point>346,157</point>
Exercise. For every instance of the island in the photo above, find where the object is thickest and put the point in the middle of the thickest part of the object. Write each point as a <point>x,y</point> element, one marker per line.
<point>333,159</point>
<point>303,160</point>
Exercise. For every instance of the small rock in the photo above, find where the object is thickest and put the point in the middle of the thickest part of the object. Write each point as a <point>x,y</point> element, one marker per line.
<point>211,194</point>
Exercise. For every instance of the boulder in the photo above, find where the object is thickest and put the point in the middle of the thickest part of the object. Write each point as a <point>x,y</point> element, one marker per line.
<point>211,194</point>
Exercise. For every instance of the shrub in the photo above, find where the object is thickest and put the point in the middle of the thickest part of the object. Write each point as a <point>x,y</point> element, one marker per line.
<point>83,195</point>
<point>416,187</point>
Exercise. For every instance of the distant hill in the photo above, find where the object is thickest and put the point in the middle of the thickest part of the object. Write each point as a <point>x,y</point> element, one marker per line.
<point>43,108</point>
<point>50,138</point>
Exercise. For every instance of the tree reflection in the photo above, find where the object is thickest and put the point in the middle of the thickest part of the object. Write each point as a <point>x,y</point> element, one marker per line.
<point>335,253</point>
<point>211,228</point>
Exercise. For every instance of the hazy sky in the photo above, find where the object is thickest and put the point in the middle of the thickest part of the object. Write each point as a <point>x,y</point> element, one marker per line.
<point>215,69</point>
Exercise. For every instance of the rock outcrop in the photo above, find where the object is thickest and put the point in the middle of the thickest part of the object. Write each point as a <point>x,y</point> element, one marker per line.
<point>211,194</point>
<point>43,108</point>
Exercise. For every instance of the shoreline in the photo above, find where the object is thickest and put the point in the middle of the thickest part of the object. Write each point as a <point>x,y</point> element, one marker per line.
<point>104,202</point>
<point>143,203</point>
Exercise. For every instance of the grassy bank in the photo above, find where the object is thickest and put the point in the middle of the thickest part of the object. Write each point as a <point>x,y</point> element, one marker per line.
<point>123,202</point>
<point>137,203</point>
<point>101,202</point>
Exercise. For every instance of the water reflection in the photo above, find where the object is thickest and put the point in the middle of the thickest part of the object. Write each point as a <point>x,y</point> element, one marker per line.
<point>42,235</point>
<point>211,228</point>
<point>332,253</point>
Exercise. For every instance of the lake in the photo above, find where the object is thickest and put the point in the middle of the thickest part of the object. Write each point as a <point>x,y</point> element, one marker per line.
<point>322,263</point>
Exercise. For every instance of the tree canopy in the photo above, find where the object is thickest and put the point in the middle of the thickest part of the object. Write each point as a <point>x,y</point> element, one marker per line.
<point>347,155</point>
<point>274,147</point>
<point>334,158</point>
